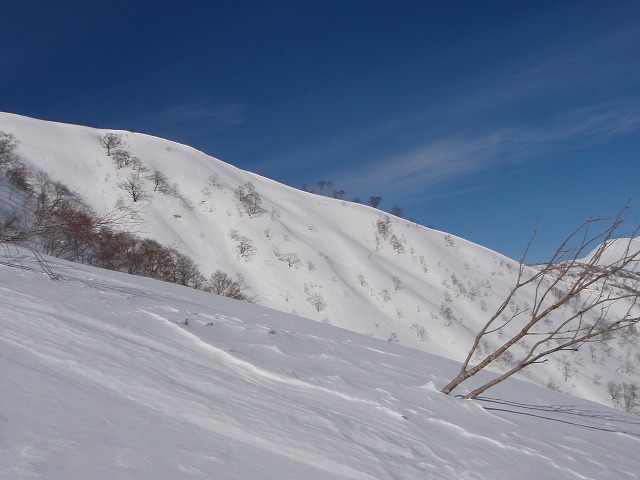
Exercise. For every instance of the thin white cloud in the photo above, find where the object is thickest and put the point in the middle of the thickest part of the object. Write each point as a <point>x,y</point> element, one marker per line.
<point>444,160</point>
<point>595,65</point>
<point>566,94</point>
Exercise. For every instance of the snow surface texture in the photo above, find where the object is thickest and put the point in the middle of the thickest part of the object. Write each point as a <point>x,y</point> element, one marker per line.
<point>109,376</point>
<point>447,287</point>
<point>617,249</point>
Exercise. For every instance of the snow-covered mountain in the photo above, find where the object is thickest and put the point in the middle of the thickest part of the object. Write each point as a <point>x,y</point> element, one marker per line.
<point>111,376</point>
<point>616,249</point>
<point>316,257</point>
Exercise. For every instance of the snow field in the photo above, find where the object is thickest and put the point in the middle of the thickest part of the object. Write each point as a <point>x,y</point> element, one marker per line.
<point>107,376</point>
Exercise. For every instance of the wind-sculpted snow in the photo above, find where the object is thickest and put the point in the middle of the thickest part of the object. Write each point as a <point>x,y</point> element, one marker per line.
<point>357,268</point>
<point>112,376</point>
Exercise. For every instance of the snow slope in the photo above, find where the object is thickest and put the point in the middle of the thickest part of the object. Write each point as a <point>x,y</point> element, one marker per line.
<point>109,376</point>
<point>616,249</point>
<point>448,286</point>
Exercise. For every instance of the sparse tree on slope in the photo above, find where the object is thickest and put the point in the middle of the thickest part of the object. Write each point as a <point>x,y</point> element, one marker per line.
<point>249,198</point>
<point>111,140</point>
<point>375,201</point>
<point>221,284</point>
<point>8,144</point>
<point>160,182</point>
<point>397,211</point>
<point>121,158</point>
<point>134,186</point>
<point>244,247</point>
<point>339,193</point>
<point>587,287</point>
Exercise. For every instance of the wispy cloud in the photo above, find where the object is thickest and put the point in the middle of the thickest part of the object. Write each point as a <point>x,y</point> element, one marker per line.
<point>598,65</point>
<point>432,164</point>
<point>443,160</point>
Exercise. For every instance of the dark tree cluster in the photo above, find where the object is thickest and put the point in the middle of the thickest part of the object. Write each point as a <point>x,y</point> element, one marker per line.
<point>16,172</point>
<point>222,284</point>
<point>326,187</point>
<point>124,252</point>
<point>57,222</point>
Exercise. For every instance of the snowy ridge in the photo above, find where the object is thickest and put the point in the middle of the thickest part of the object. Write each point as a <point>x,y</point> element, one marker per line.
<point>107,376</point>
<point>615,250</point>
<point>399,282</point>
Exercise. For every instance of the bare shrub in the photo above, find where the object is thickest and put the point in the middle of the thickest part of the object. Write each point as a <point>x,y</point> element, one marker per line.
<point>121,158</point>
<point>110,141</point>
<point>249,198</point>
<point>383,227</point>
<point>587,287</point>
<point>134,186</point>
<point>244,247</point>
<point>291,259</point>
<point>629,396</point>
<point>421,332</point>
<point>222,284</point>
<point>8,144</point>
<point>160,182</point>
<point>614,389</point>
<point>316,300</point>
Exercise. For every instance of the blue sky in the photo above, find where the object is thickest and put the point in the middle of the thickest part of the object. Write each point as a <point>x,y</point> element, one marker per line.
<point>479,118</point>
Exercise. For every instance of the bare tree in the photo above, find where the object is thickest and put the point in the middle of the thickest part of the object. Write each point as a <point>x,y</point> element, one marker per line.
<point>375,201</point>
<point>629,396</point>
<point>586,285</point>
<point>325,184</point>
<point>56,221</point>
<point>111,140</point>
<point>421,332</point>
<point>397,245</point>
<point>214,181</point>
<point>133,186</point>
<point>397,211</point>
<point>160,182</point>
<point>291,259</point>
<point>8,144</point>
<point>18,174</point>
<point>383,226</point>
<point>340,194</point>
<point>386,295</point>
<point>222,284</point>
<point>316,300</point>
<point>249,198</point>
<point>310,188</point>
<point>138,166</point>
<point>121,158</point>
<point>244,247</point>
<point>183,270</point>
<point>615,390</point>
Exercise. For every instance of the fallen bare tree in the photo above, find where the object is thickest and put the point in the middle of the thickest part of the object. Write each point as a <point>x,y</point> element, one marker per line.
<point>582,274</point>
